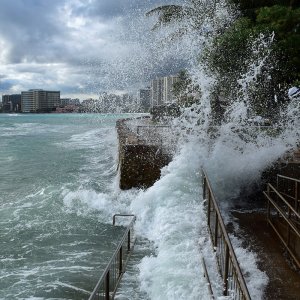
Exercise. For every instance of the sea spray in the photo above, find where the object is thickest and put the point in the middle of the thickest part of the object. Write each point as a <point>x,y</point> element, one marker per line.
<point>171,213</point>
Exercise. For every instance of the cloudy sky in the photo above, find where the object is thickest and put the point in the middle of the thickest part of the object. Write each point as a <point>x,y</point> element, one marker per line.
<point>80,47</point>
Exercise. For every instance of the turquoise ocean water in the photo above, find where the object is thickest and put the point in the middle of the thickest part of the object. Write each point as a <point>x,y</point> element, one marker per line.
<point>53,245</point>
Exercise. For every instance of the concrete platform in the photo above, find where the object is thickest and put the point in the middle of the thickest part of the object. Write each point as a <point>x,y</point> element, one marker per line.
<point>258,236</point>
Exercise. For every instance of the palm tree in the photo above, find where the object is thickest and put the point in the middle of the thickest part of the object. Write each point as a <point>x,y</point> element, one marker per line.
<point>168,14</point>
<point>202,16</point>
<point>196,11</point>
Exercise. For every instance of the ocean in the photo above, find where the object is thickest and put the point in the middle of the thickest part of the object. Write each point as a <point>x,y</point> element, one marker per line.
<point>54,170</point>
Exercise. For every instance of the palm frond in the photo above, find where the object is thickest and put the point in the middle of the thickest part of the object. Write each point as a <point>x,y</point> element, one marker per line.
<point>167,14</point>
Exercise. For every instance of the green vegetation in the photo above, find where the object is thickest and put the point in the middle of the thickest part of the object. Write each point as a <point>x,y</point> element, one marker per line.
<point>282,69</point>
<point>235,47</point>
<point>184,89</point>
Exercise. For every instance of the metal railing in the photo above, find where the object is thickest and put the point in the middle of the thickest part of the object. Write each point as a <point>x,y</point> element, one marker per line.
<point>209,287</point>
<point>283,214</point>
<point>233,281</point>
<point>289,188</point>
<point>109,281</point>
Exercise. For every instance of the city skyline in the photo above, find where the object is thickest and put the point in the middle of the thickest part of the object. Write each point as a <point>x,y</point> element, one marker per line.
<point>43,101</point>
<point>159,92</point>
<point>81,48</point>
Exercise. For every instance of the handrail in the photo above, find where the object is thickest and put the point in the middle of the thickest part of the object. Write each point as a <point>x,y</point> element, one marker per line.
<point>289,178</point>
<point>211,293</point>
<point>291,234</point>
<point>228,263</point>
<point>121,215</point>
<point>290,188</point>
<point>284,201</point>
<point>108,283</point>
<point>282,214</point>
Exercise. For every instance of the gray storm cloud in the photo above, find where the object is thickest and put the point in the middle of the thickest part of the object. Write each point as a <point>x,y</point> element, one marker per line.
<point>78,46</point>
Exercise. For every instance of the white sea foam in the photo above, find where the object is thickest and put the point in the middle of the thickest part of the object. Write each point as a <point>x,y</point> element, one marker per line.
<point>25,129</point>
<point>88,139</point>
<point>59,283</point>
<point>15,115</point>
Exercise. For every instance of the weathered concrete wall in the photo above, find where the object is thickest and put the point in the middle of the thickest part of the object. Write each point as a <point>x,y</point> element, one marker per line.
<point>140,166</point>
<point>139,163</point>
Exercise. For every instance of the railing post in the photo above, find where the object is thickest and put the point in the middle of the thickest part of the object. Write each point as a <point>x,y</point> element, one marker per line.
<point>288,228</point>
<point>296,196</point>
<point>204,186</point>
<point>107,286</point>
<point>216,230</point>
<point>225,277</point>
<point>128,241</point>
<point>268,203</point>
<point>208,211</point>
<point>121,261</point>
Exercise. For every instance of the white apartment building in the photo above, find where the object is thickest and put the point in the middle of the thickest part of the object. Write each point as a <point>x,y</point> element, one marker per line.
<point>156,90</point>
<point>37,100</point>
<point>28,102</point>
<point>162,90</point>
<point>168,96</point>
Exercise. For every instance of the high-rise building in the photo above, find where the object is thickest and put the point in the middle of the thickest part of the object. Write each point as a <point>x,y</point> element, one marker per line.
<point>169,81</point>
<point>11,103</point>
<point>144,98</point>
<point>37,100</point>
<point>15,100</point>
<point>28,101</point>
<point>157,91</point>
<point>162,90</point>
<point>6,104</point>
<point>53,99</point>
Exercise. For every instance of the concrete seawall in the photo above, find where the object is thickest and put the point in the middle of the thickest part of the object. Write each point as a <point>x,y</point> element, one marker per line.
<point>140,158</point>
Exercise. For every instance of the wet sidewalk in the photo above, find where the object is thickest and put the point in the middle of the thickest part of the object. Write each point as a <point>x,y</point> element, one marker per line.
<point>258,236</point>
